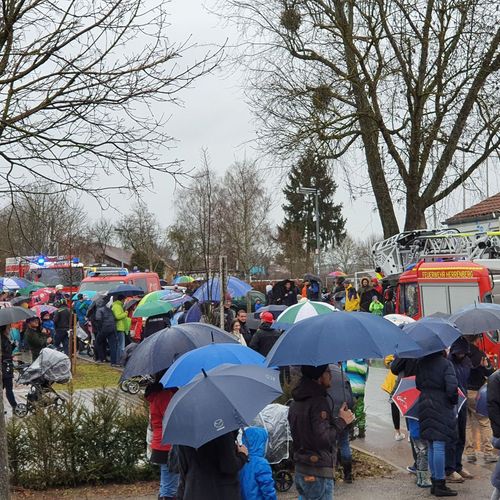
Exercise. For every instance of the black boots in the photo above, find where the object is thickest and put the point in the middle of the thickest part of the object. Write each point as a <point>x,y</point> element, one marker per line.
<point>439,489</point>
<point>347,466</point>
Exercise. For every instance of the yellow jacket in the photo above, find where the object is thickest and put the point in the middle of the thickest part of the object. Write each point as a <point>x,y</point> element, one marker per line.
<point>351,303</point>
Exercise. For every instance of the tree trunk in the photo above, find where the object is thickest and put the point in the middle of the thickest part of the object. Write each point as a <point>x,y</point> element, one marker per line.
<point>415,214</point>
<point>4,457</point>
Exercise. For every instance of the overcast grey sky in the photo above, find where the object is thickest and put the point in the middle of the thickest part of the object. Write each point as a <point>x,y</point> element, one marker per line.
<point>215,116</point>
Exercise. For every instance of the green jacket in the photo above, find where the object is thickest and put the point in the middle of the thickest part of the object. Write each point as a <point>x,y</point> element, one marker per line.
<point>377,308</point>
<point>121,316</point>
<point>36,341</point>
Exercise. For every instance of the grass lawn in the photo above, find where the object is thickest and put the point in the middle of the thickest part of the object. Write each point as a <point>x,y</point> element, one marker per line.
<point>91,375</point>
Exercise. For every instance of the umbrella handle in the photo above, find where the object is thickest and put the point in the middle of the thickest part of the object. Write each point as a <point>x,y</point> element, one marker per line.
<point>343,382</point>
<point>204,372</point>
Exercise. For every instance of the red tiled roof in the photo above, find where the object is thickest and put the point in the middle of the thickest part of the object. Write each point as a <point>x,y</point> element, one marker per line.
<point>489,206</point>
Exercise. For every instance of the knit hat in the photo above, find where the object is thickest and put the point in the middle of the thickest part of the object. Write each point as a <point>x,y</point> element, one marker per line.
<point>313,372</point>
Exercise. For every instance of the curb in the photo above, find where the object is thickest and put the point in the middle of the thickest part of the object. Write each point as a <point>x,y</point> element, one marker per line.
<point>378,457</point>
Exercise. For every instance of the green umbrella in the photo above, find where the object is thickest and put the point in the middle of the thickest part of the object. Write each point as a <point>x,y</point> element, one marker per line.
<point>183,279</point>
<point>152,297</point>
<point>302,310</point>
<point>153,308</point>
<point>32,287</point>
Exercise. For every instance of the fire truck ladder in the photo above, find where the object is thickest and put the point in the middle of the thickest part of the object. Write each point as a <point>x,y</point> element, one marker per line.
<point>394,254</point>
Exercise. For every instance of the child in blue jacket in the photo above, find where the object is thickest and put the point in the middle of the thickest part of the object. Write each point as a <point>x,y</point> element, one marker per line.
<point>48,324</point>
<point>256,477</point>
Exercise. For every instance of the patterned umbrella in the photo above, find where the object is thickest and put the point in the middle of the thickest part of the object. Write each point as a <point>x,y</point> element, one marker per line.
<point>42,296</point>
<point>183,279</point>
<point>151,297</point>
<point>39,309</point>
<point>399,319</point>
<point>302,310</point>
<point>13,283</point>
<point>406,398</point>
<point>210,291</point>
<point>337,274</point>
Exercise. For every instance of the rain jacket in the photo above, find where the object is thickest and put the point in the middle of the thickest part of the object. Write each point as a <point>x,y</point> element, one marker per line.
<point>104,320</point>
<point>211,471</point>
<point>314,430</point>
<point>121,316</point>
<point>264,339</point>
<point>256,477</point>
<point>62,318</point>
<point>366,294</point>
<point>36,341</point>
<point>351,299</point>
<point>462,365</point>
<point>437,382</point>
<point>493,396</point>
<point>7,360</point>
<point>357,373</point>
<point>377,308</point>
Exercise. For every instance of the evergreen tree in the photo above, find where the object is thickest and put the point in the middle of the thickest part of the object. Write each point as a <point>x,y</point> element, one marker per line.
<point>300,223</point>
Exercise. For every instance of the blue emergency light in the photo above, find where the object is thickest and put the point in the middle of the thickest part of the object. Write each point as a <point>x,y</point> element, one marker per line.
<point>41,260</point>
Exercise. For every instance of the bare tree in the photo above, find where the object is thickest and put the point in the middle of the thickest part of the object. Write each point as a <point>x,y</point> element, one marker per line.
<point>415,83</point>
<point>78,84</point>
<point>100,236</point>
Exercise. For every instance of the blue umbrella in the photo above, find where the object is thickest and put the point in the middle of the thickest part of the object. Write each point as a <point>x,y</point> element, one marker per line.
<point>160,350</point>
<point>477,318</point>
<point>13,283</point>
<point>431,335</point>
<point>191,363</point>
<point>127,290</point>
<point>87,293</point>
<point>210,291</point>
<point>222,400</point>
<point>175,299</point>
<point>329,338</point>
<point>194,314</point>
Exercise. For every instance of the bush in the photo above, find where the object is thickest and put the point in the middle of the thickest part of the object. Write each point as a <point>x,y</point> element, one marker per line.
<point>79,445</point>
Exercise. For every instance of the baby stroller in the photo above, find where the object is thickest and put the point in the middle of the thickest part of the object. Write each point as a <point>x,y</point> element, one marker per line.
<point>274,418</point>
<point>50,367</point>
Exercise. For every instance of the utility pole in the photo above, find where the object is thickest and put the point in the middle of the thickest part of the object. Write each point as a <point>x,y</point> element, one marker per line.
<point>315,191</point>
<point>222,287</point>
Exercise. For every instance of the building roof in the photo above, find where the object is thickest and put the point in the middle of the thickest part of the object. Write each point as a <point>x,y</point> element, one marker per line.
<point>486,209</point>
<point>119,254</point>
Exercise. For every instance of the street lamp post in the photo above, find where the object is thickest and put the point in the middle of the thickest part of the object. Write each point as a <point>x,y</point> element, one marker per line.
<point>315,192</point>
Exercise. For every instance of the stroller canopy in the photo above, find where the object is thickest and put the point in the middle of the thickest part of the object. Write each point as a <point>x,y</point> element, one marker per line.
<point>50,366</point>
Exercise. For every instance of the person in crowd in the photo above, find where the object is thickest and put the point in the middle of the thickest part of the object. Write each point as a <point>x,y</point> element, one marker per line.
<point>155,324</point>
<point>59,294</point>
<point>366,293</point>
<point>376,307</point>
<point>80,308</point>
<point>228,313</point>
<point>304,288</point>
<point>211,472</point>
<point>186,306</point>
<point>158,398</point>
<point>289,297</point>
<point>377,287</point>
<point>236,332</point>
<point>389,385</point>
<point>48,326</point>
<point>437,382</point>
<point>459,356</point>
<point>269,295</point>
<point>266,336</point>
<point>241,316</point>
<point>406,367</point>
<point>258,304</point>
<point>256,477</point>
<point>122,323</point>
<point>105,334</point>
<point>357,373</point>
<point>62,324</point>
<point>340,392</point>
<point>421,454</point>
<point>315,432</point>
<point>493,400</point>
<point>7,365</point>
<point>389,302</point>
<point>478,427</point>
<point>313,290</point>
<point>34,337</point>
<point>15,338</point>
<point>379,274</point>
<point>351,297</point>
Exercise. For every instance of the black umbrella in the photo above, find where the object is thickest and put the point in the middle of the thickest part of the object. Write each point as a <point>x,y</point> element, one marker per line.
<point>253,320</point>
<point>126,290</point>
<point>130,303</point>
<point>16,301</point>
<point>160,350</point>
<point>14,314</point>
<point>312,277</point>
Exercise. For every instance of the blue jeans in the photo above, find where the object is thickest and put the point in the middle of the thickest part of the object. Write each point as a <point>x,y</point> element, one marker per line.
<point>169,481</point>
<point>61,339</point>
<point>319,489</point>
<point>344,446</point>
<point>113,347</point>
<point>436,450</point>
<point>121,345</point>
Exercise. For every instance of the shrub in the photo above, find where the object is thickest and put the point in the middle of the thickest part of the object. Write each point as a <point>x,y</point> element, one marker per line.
<point>84,444</point>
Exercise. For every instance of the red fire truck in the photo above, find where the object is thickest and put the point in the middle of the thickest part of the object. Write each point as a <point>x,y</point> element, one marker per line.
<point>51,271</point>
<point>442,282</point>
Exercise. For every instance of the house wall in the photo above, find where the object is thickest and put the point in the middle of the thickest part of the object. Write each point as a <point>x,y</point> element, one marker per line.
<point>479,226</point>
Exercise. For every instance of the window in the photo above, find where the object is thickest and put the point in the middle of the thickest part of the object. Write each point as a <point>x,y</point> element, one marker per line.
<point>141,283</point>
<point>410,299</point>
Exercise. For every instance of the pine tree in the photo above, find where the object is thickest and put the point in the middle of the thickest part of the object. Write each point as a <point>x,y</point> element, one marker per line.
<point>299,222</point>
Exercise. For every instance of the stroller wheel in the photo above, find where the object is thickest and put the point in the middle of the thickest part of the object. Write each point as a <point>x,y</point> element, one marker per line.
<point>59,404</point>
<point>90,351</point>
<point>21,410</point>
<point>283,480</point>
<point>133,387</point>
<point>124,386</point>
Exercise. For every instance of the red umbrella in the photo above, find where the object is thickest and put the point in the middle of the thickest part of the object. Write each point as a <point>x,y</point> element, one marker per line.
<point>41,308</point>
<point>41,296</point>
<point>406,398</point>
<point>337,274</point>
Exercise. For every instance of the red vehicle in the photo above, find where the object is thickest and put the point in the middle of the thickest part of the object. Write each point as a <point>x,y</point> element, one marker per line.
<point>51,271</point>
<point>432,287</point>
